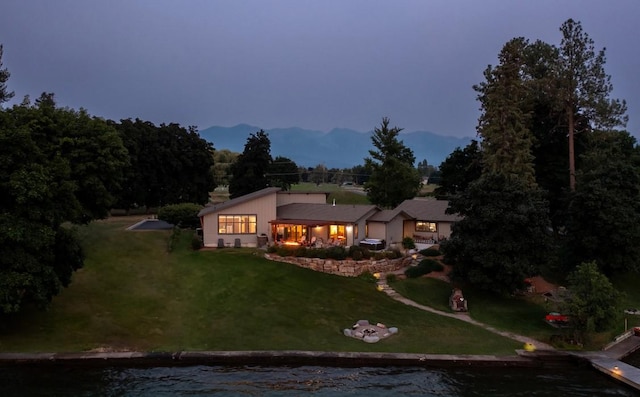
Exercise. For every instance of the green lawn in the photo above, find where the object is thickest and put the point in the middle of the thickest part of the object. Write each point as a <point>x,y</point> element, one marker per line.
<point>132,294</point>
<point>512,314</point>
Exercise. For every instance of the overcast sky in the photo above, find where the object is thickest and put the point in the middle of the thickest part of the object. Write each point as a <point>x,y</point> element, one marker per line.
<point>312,64</point>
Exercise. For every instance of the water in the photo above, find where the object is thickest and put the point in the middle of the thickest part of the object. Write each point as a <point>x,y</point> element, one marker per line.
<point>306,380</point>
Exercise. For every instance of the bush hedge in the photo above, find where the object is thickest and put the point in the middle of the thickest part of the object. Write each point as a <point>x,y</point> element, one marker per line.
<point>182,215</point>
<point>430,252</point>
<point>425,266</point>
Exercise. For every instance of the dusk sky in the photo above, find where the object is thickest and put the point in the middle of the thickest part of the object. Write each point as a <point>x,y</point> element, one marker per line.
<point>312,64</point>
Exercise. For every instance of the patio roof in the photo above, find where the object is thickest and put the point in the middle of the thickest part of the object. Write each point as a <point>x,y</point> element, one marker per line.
<point>308,213</point>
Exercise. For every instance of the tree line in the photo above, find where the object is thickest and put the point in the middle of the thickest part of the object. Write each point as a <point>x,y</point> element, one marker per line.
<point>552,186</point>
<point>61,167</point>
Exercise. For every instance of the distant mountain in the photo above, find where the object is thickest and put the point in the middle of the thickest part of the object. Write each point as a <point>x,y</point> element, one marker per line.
<point>338,148</point>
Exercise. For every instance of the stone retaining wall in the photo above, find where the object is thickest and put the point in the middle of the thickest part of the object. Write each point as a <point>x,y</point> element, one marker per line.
<point>347,267</point>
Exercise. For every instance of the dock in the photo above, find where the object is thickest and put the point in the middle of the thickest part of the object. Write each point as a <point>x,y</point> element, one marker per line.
<point>608,361</point>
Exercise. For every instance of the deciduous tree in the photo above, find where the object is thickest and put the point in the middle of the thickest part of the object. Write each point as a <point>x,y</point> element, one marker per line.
<point>594,301</point>
<point>249,172</point>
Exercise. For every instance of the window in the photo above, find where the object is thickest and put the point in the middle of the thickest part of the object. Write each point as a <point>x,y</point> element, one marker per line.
<point>422,226</point>
<point>237,224</point>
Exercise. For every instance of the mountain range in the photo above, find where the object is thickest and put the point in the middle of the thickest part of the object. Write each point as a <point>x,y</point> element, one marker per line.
<point>338,148</point>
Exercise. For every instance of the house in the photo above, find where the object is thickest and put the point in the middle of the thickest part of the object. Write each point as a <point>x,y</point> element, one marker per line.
<point>272,215</point>
<point>424,220</point>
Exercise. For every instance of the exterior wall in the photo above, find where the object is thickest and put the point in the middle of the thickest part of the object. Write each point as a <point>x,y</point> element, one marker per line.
<point>444,231</point>
<point>347,268</point>
<point>265,210</point>
<point>376,230</point>
<point>307,198</point>
<point>395,233</point>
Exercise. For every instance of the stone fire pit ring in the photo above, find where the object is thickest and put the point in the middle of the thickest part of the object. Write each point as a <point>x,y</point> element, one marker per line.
<point>369,333</point>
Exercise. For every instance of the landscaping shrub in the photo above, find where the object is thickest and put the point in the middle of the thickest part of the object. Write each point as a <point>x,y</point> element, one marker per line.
<point>337,252</point>
<point>173,238</point>
<point>272,249</point>
<point>196,243</point>
<point>430,252</point>
<point>367,276</point>
<point>357,253</point>
<point>182,215</point>
<point>283,250</point>
<point>408,243</point>
<point>300,252</point>
<point>425,266</point>
<point>379,256</point>
<point>393,254</point>
<point>391,278</point>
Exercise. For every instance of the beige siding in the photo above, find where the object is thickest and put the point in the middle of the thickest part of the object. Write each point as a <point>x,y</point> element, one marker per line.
<point>444,230</point>
<point>376,230</point>
<point>265,210</point>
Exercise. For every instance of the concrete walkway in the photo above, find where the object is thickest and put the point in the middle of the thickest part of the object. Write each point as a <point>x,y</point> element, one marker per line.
<point>382,284</point>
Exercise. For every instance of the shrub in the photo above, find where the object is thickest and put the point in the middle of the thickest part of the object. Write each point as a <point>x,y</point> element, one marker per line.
<point>379,256</point>
<point>408,243</point>
<point>196,242</point>
<point>393,254</point>
<point>173,238</point>
<point>182,215</point>
<point>425,266</point>
<point>337,252</point>
<point>391,278</point>
<point>366,276</point>
<point>283,250</point>
<point>430,252</point>
<point>357,253</point>
<point>300,251</point>
<point>272,249</point>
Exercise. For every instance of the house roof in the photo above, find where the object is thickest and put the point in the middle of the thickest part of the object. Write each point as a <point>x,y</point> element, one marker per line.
<point>388,215</point>
<point>238,200</point>
<point>322,213</point>
<point>427,210</point>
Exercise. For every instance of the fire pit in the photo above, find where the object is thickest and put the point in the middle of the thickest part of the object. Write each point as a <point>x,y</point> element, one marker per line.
<point>368,332</point>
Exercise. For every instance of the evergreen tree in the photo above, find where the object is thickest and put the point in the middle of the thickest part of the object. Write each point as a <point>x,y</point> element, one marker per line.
<point>604,214</point>
<point>503,237</point>
<point>393,177</point>
<point>5,95</point>
<point>503,125</point>
<point>585,88</point>
<point>249,172</point>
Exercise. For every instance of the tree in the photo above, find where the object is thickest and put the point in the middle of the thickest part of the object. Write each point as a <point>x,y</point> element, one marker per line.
<point>503,124</point>
<point>594,301</point>
<point>604,213</point>
<point>169,164</point>
<point>57,166</point>
<point>502,237</point>
<point>222,160</point>
<point>319,174</point>
<point>459,169</point>
<point>585,88</point>
<point>249,172</point>
<point>5,95</point>
<point>283,172</point>
<point>393,177</point>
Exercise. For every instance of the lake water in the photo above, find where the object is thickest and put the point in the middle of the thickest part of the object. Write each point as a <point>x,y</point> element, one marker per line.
<point>306,380</point>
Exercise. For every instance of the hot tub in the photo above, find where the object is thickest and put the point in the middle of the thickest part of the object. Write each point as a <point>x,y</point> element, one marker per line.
<point>373,244</point>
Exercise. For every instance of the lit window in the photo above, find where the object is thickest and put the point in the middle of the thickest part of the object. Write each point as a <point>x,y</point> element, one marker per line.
<point>422,226</point>
<point>237,224</point>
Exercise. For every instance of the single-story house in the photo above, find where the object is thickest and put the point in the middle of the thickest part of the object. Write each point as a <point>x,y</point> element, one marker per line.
<point>271,215</point>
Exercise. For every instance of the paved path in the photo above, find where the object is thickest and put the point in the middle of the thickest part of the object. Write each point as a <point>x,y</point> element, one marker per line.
<point>382,283</point>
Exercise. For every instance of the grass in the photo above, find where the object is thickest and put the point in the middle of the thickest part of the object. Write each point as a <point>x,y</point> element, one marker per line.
<point>513,314</point>
<point>133,295</point>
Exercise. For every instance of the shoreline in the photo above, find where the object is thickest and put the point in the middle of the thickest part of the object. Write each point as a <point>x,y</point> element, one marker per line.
<point>524,359</point>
